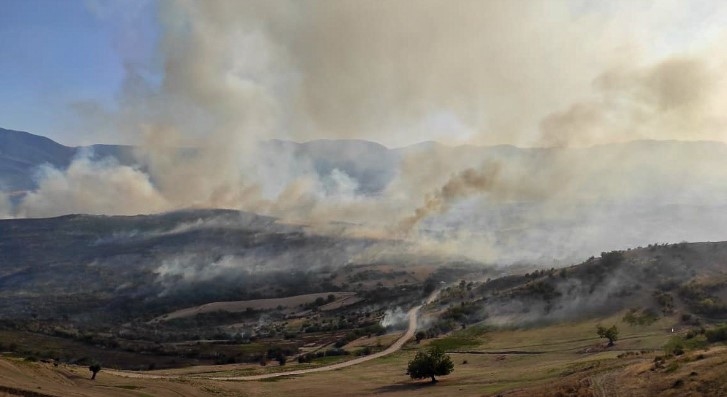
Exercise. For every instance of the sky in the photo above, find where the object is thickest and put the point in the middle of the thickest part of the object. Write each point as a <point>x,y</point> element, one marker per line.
<point>57,54</point>
<point>528,73</point>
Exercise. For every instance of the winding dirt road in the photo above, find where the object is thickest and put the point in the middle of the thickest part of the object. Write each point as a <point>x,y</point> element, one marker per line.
<point>413,316</point>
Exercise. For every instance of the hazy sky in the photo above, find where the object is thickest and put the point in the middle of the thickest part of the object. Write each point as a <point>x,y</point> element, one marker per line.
<point>398,72</point>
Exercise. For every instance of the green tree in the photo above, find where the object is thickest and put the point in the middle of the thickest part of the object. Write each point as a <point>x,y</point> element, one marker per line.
<point>431,363</point>
<point>94,368</point>
<point>609,333</point>
<point>420,335</point>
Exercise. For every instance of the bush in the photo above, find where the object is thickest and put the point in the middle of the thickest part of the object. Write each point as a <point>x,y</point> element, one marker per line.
<point>430,364</point>
<point>365,351</point>
<point>675,346</point>
<point>609,333</point>
<point>636,317</point>
<point>718,334</point>
<point>611,259</point>
<point>673,366</point>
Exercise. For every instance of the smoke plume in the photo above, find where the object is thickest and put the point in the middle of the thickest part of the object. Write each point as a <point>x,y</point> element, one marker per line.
<point>91,187</point>
<point>465,183</point>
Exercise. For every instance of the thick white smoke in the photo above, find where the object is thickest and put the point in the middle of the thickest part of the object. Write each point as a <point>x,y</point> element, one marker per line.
<point>95,187</point>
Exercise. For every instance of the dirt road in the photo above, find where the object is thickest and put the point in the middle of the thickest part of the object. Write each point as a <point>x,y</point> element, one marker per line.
<point>413,316</point>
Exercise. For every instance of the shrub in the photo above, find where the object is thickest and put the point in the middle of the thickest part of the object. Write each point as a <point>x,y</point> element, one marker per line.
<point>718,334</point>
<point>675,346</point>
<point>430,364</point>
<point>636,317</point>
<point>609,333</point>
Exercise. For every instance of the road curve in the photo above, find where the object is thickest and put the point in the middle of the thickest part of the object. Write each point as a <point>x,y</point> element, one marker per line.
<point>413,316</point>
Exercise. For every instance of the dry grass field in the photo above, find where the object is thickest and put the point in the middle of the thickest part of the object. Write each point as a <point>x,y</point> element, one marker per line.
<point>558,360</point>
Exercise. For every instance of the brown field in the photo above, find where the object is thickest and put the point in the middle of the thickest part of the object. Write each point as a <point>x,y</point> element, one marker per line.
<point>558,360</point>
<point>374,341</point>
<point>343,298</point>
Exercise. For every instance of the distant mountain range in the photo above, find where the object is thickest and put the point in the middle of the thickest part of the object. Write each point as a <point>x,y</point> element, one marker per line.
<point>21,153</point>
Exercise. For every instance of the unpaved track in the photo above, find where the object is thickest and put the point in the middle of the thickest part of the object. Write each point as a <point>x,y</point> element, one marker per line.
<point>413,315</point>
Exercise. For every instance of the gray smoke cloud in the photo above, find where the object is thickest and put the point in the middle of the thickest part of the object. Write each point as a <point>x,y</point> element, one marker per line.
<point>465,183</point>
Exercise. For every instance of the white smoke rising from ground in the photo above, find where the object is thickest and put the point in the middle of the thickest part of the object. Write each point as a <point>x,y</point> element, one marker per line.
<point>95,187</point>
<point>394,318</point>
<point>185,270</point>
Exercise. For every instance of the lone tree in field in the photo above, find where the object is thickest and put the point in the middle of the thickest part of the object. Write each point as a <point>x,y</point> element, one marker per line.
<point>609,333</point>
<point>429,364</point>
<point>94,368</point>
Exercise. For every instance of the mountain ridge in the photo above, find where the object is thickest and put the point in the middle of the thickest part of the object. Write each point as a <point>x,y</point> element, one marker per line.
<point>371,164</point>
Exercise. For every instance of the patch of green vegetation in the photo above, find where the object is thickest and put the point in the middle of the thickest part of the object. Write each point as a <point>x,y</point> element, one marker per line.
<point>672,366</point>
<point>697,343</point>
<point>665,301</point>
<point>451,343</point>
<point>640,317</point>
<point>677,345</point>
<point>544,290</point>
<point>474,331</point>
<point>718,334</point>
<point>699,298</point>
<point>375,329</point>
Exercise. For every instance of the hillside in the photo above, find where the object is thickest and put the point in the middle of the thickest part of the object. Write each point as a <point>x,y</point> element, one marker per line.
<point>21,153</point>
<point>85,288</point>
<point>82,281</point>
<point>116,265</point>
<point>659,279</point>
<point>104,278</point>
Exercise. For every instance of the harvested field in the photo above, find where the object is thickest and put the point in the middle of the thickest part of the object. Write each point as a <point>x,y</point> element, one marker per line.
<point>345,299</point>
